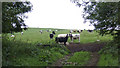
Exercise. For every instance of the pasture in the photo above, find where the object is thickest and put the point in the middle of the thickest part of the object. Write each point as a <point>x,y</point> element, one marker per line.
<point>27,49</point>
<point>33,35</point>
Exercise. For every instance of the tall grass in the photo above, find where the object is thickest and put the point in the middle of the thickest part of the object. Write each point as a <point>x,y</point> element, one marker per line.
<point>19,53</point>
<point>109,55</point>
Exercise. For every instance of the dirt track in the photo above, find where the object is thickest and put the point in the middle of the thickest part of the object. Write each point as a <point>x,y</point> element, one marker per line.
<point>92,47</point>
<point>76,47</point>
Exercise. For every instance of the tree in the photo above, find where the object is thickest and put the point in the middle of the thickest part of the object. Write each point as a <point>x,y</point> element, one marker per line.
<point>13,15</point>
<point>104,16</point>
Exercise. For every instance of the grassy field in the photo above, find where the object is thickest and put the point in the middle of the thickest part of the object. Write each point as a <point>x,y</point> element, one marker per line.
<point>24,50</point>
<point>33,35</point>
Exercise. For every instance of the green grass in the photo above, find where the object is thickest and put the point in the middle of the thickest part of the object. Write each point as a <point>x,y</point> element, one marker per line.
<point>79,58</point>
<point>109,55</point>
<point>33,35</point>
<point>23,51</point>
<point>87,37</point>
<point>108,60</point>
<point>19,53</point>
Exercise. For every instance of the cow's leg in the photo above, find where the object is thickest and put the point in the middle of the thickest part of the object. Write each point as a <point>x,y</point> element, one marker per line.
<point>79,38</point>
<point>65,43</point>
<point>72,39</point>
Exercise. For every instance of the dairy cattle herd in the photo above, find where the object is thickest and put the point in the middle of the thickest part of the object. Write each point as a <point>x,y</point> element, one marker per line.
<point>62,38</point>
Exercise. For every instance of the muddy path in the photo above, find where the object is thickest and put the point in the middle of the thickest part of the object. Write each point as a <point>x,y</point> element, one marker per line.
<point>76,47</point>
<point>94,59</point>
<point>91,47</point>
<point>61,61</point>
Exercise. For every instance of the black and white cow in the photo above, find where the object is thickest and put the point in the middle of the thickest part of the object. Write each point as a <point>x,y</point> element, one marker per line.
<point>53,32</point>
<point>62,38</point>
<point>90,30</point>
<point>51,36</point>
<point>41,31</point>
<point>74,36</point>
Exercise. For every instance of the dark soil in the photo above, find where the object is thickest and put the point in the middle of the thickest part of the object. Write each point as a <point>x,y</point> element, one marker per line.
<point>76,47</point>
<point>91,47</point>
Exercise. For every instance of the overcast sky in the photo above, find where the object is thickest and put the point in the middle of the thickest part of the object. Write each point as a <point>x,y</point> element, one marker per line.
<point>56,14</point>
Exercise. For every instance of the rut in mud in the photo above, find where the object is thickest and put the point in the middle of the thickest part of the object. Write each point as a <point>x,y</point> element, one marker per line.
<point>76,47</point>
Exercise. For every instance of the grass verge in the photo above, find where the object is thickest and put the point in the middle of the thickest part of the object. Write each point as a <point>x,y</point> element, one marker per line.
<point>78,59</point>
<point>109,55</point>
